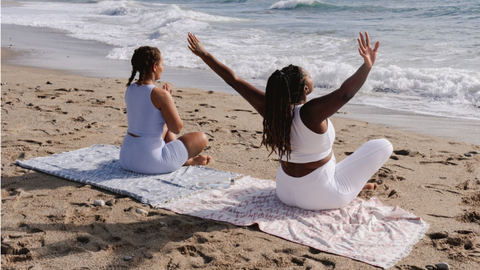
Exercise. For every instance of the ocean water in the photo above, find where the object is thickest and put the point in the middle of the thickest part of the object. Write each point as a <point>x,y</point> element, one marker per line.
<point>428,61</point>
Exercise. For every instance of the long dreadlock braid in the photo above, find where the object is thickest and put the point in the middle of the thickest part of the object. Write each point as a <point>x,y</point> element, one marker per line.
<point>284,88</point>
<point>142,60</point>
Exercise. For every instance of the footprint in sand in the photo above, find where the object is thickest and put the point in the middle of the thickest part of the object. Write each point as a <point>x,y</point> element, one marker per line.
<point>471,216</point>
<point>49,96</point>
<point>84,90</point>
<point>31,142</point>
<point>472,200</point>
<point>384,174</point>
<point>18,247</point>
<point>97,102</point>
<point>469,185</point>
<point>59,110</point>
<point>11,252</point>
<point>192,251</point>
<point>243,110</point>
<point>236,132</point>
<point>441,188</point>
<point>460,245</point>
<point>207,122</point>
<point>207,105</point>
<point>83,239</point>
<point>200,238</point>
<point>42,130</point>
<point>40,109</point>
<point>63,90</point>
<point>314,260</point>
<point>407,152</point>
<point>445,162</point>
<point>78,119</point>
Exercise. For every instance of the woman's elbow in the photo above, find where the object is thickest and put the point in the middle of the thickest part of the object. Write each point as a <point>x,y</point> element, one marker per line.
<point>176,129</point>
<point>180,127</point>
<point>346,97</point>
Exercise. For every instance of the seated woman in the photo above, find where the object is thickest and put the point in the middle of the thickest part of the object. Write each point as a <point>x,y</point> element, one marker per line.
<point>301,133</point>
<point>150,145</point>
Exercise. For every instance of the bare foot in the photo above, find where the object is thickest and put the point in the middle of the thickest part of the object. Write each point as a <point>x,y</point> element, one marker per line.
<point>370,186</point>
<point>198,160</point>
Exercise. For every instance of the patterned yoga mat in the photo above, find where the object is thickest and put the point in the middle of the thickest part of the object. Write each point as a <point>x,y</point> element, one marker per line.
<point>99,166</point>
<point>366,231</point>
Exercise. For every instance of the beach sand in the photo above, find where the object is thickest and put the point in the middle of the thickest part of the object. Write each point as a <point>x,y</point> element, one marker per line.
<point>51,223</point>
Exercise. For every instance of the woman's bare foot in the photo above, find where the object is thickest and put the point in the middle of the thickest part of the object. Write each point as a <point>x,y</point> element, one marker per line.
<point>370,186</point>
<point>198,160</point>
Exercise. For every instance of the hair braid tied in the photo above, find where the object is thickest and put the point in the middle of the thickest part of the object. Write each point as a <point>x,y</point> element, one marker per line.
<point>284,89</point>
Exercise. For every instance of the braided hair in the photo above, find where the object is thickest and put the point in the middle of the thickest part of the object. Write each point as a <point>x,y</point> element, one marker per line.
<point>284,89</point>
<point>142,60</point>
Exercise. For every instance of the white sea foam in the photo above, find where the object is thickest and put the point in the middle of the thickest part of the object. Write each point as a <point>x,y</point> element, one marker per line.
<point>290,4</point>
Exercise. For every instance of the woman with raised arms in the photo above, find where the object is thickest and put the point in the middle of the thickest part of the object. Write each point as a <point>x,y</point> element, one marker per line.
<point>302,135</point>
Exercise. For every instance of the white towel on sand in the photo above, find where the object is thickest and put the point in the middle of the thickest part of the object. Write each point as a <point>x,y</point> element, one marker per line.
<point>366,231</point>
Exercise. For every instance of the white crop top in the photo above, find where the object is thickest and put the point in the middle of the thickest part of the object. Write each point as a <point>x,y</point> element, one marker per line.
<point>143,118</point>
<point>308,146</point>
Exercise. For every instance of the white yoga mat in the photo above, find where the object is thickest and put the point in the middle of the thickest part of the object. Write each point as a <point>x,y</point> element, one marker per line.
<point>99,166</point>
<point>366,231</point>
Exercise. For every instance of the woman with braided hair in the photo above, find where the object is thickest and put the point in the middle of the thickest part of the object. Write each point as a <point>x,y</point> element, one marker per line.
<point>301,133</point>
<point>150,145</point>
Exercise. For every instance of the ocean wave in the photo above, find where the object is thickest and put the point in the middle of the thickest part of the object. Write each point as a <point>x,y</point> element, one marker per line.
<point>437,91</point>
<point>451,11</point>
<point>315,5</point>
<point>121,8</point>
<point>450,86</point>
<point>293,4</point>
<point>234,1</point>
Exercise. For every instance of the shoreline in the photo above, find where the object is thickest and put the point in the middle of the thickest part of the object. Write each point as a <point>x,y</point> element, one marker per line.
<point>53,49</point>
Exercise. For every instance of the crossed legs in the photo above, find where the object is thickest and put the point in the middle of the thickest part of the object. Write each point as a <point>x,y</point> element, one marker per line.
<point>195,142</point>
<point>352,173</point>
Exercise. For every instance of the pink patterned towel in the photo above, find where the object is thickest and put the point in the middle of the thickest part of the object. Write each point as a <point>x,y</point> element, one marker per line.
<point>366,231</point>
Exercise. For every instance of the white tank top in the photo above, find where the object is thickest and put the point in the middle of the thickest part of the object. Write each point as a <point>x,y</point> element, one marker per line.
<point>143,118</point>
<point>308,146</point>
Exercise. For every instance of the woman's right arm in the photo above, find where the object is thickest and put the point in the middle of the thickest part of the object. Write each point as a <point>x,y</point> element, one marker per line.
<point>253,95</point>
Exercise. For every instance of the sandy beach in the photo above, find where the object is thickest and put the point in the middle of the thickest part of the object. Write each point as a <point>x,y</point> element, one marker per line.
<point>51,223</point>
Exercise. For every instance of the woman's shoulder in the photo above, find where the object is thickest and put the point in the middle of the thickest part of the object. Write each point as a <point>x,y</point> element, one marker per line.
<point>158,91</point>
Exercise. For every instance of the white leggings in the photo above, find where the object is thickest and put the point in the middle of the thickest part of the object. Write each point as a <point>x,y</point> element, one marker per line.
<point>334,185</point>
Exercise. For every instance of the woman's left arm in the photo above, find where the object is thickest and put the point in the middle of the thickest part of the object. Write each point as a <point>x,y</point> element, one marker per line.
<point>321,108</point>
<point>162,99</point>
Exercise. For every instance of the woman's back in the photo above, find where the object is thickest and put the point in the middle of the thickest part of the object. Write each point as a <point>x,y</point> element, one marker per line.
<point>143,118</point>
<point>306,145</point>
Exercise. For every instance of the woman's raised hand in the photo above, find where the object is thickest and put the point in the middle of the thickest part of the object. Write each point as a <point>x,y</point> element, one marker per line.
<point>369,55</point>
<point>196,46</point>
